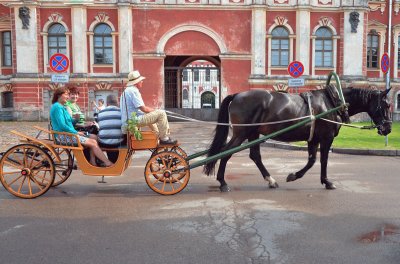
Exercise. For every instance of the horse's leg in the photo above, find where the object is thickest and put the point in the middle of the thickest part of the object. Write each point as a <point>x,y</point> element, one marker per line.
<point>312,156</point>
<point>256,157</point>
<point>234,142</point>
<point>325,146</point>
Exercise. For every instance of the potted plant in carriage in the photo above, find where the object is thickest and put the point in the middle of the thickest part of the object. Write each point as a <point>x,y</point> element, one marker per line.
<point>140,139</point>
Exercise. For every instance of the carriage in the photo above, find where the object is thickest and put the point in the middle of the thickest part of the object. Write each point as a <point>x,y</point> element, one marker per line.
<point>32,167</point>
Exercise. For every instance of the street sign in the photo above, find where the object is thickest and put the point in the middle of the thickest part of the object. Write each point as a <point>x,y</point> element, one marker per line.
<point>59,63</point>
<point>296,82</point>
<point>295,69</point>
<point>60,78</point>
<point>385,63</point>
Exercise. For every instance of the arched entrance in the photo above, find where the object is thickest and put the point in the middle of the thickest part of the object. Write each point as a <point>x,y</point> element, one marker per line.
<point>192,86</point>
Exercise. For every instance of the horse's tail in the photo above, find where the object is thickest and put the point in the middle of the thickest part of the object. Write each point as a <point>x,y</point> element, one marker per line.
<point>221,133</point>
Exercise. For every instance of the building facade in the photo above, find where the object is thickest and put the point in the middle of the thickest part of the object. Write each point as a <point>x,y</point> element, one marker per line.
<point>192,52</point>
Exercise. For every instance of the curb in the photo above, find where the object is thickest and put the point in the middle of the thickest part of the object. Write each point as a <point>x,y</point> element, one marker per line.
<point>371,152</point>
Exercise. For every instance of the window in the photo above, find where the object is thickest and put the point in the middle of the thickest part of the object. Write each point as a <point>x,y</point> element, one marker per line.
<point>372,50</point>
<point>185,75</point>
<point>323,48</point>
<point>208,75</point>
<point>196,75</point>
<point>398,51</point>
<point>280,47</point>
<point>6,48</point>
<point>398,102</point>
<point>56,40</point>
<point>7,99</point>
<point>103,45</point>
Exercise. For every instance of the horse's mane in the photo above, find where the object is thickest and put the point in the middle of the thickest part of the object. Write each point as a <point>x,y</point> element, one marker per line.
<point>362,95</point>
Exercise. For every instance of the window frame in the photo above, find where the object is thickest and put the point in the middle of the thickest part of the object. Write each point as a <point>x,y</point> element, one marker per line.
<point>3,50</point>
<point>280,50</point>
<point>323,51</point>
<point>103,47</point>
<point>370,57</point>
<point>57,36</point>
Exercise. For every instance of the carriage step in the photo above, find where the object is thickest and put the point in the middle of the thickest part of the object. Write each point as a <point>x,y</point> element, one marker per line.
<point>102,180</point>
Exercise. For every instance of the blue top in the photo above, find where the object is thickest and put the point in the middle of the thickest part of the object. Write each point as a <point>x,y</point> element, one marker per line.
<point>133,101</point>
<point>109,120</point>
<point>61,120</point>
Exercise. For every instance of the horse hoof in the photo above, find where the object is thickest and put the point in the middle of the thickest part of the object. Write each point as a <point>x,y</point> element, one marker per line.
<point>330,186</point>
<point>225,188</point>
<point>291,177</point>
<point>274,185</point>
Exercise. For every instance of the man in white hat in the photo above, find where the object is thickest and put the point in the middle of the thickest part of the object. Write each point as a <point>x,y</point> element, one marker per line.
<point>131,101</point>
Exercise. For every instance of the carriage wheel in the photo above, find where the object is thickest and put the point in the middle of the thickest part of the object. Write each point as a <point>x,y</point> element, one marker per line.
<point>64,167</point>
<point>26,171</point>
<point>176,149</point>
<point>164,174</point>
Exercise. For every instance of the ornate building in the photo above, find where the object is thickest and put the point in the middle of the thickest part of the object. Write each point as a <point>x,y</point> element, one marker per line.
<point>182,45</point>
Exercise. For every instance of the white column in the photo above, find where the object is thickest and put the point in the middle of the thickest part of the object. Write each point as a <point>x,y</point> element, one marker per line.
<point>79,42</point>
<point>26,43</point>
<point>258,37</point>
<point>352,46</point>
<point>303,38</point>
<point>125,38</point>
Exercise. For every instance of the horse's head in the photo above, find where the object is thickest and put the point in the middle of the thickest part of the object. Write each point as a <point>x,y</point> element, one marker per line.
<point>379,111</point>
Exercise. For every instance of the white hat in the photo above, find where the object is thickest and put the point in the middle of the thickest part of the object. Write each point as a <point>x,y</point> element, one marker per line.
<point>134,77</point>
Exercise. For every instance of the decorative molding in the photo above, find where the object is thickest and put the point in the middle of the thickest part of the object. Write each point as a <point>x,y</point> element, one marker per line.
<point>102,17</point>
<point>281,87</point>
<point>325,21</point>
<point>8,87</point>
<point>396,8</point>
<point>375,5</point>
<point>325,2</point>
<point>55,18</point>
<point>54,86</point>
<point>103,86</point>
<point>280,21</point>
<point>279,2</point>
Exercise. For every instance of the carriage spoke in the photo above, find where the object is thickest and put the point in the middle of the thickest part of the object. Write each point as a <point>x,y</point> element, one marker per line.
<point>16,179</point>
<point>19,166</point>
<point>22,183</point>
<point>32,159</point>
<point>11,172</point>
<point>29,186</point>
<point>41,187</point>
<point>170,183</point>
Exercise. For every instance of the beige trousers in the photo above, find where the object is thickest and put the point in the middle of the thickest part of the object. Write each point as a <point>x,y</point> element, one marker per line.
<point>158,122</point>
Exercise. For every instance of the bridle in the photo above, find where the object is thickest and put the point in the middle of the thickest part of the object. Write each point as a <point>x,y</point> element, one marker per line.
<point>379,112</point>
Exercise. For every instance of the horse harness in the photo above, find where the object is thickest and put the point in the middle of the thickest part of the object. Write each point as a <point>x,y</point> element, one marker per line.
<point>307,98</point>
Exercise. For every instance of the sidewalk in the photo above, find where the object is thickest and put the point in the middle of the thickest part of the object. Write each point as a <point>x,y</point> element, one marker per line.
<point>192,136</point>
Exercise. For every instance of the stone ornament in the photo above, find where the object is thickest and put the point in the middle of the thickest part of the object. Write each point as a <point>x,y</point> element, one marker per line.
<point>354,20</point>
<point>24,16</point>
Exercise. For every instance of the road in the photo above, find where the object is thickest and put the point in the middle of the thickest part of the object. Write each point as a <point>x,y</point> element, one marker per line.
<point>123,221</point>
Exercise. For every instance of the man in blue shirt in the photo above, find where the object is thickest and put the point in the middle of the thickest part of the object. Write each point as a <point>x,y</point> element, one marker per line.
<point>131,101</point>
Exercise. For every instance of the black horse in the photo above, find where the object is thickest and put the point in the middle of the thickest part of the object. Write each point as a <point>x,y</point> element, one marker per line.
<point>261,106</point>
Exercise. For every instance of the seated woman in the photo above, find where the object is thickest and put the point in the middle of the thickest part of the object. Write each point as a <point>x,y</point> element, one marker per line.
<point>61,121</point>
<point>74,110</point>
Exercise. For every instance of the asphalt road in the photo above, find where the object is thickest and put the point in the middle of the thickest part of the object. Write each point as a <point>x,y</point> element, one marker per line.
<point>123,221</point>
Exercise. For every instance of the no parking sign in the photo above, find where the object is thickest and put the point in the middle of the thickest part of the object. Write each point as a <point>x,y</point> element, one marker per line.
<point>385,63</point>
<point>59,63</point>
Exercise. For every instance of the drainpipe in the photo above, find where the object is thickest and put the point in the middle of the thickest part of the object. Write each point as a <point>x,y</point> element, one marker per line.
<point>389,52</point>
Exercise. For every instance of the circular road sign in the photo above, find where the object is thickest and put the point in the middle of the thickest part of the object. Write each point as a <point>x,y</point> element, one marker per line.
<point>59,63</point>
<point>385,63</point>
<point>295,69</point>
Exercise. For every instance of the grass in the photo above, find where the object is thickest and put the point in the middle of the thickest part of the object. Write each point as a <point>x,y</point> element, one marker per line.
<point>364,139</point>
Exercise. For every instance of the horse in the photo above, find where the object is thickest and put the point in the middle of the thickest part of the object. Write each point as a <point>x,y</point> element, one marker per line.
<point>261,106</point>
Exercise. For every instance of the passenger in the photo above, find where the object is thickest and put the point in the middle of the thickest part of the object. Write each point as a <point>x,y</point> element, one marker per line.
<point>74,110</point>
<point>98,107</point>
<point>110,133</point>
<point>61,121</point>
<point>131,101</point>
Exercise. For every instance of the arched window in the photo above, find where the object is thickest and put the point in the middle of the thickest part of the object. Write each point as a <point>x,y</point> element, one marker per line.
<point>280,47</point>
<point>397,98</point>
<point>372,49</point>
<point>323,48</point>
<point>185,94</point>
<point>103,49</point>
<point>56,39</point>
